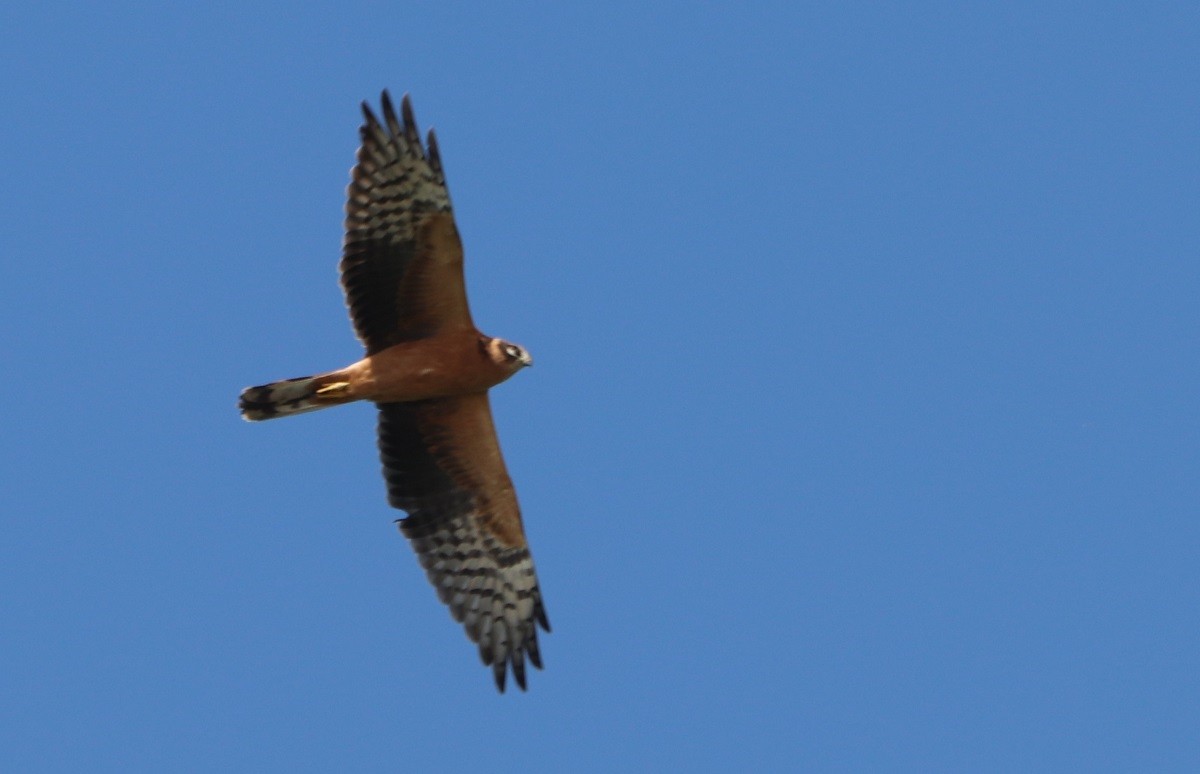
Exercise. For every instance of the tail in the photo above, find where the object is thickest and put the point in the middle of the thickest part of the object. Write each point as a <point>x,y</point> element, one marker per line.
<point>292,396</point>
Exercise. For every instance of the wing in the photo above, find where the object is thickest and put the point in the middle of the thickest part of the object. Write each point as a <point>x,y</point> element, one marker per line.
<point>443,466</point>
<point>402,258</point>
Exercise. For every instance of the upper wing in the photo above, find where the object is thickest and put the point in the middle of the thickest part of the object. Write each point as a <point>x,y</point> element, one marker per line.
<point>402,259</point>
<point>443,465</point>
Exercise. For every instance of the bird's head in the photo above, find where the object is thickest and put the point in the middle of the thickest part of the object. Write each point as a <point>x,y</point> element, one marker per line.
<point>505,353</point>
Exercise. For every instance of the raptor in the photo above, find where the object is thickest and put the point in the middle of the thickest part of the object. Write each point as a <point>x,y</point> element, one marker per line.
<point>428,369</point>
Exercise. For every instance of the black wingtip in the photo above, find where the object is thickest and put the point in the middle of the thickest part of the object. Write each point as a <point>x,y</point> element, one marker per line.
<point>518,668</point>
<point>532,651</point>
<point>389,114</point>
<point>499,672</point>
<point>406,112</point>
<point>435,156</point>
<point>368,115</point>
<point>410,124</point>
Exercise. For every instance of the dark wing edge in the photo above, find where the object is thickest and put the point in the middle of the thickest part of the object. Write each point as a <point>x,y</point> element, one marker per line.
<point>395,186</point>
<point>488,582</point>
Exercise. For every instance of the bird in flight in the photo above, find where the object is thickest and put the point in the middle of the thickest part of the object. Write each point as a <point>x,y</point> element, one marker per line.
<point>428,369</point>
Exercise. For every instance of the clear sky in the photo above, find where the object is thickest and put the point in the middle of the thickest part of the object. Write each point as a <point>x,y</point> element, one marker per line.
<point>863,435</point>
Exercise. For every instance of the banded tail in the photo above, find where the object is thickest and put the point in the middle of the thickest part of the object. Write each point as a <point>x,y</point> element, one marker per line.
<point>292,396</point>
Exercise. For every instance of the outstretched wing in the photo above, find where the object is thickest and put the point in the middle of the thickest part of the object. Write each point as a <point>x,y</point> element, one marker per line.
<point>443,466</point>
<point>401,262</point>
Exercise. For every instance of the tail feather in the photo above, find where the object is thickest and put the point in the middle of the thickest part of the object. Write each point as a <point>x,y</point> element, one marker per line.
<point>281,399</point>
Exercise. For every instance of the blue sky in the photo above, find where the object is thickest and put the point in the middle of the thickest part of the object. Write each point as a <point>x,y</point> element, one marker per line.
<point>863,433</point>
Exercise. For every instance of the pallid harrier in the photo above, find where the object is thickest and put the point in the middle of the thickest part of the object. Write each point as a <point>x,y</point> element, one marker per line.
<point>428,369</point>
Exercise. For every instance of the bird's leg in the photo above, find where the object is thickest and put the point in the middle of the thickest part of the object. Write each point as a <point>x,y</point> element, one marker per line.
<point>333,390</point>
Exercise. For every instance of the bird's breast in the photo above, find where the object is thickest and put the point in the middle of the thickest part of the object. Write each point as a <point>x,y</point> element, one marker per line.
<point>429,368</point>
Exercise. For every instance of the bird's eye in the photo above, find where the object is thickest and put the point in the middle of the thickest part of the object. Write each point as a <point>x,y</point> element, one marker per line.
<point>512,351</point>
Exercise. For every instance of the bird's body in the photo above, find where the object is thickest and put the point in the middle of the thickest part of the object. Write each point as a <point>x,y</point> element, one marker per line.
<point>450,364</point>
<point>428,369</point>
<point>440,367</point>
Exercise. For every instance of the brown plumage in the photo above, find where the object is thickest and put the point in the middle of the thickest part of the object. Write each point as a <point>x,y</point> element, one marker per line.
<point>428,369</point>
